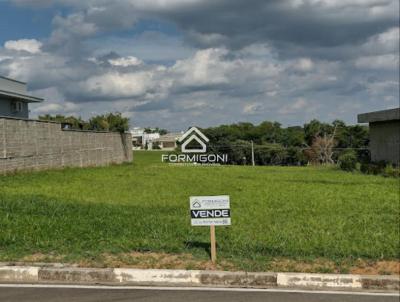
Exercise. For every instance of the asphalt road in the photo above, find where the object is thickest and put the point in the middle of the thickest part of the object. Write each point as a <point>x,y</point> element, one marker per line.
<point>30,294</point>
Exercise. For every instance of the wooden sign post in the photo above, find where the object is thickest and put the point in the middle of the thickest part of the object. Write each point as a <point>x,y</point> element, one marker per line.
<point>213,244</point>
<point>210,211</point>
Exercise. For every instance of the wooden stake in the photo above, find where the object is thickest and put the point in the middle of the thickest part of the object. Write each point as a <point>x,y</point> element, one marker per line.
<point>213,244</point>
<point>252,154</point>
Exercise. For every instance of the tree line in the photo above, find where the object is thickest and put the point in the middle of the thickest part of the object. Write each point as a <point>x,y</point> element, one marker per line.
<point>315,142</point>
<point>113,122</point>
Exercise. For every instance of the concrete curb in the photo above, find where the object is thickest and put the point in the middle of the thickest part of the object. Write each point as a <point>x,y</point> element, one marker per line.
<point>163,277</point>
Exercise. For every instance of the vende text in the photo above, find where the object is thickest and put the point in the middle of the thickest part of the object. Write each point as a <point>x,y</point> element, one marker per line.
<point>210,213</point>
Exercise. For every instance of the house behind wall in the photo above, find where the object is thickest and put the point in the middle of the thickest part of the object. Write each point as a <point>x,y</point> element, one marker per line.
<point>384,134</point>
<point>14,99</point>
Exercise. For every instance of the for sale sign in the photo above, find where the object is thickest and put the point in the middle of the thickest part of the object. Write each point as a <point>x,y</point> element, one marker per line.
<point>210,210</point>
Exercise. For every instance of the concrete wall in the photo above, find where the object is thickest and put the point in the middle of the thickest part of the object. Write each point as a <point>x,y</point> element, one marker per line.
<point>5,108</point>
<point>37,145</point>
<point>385,141</point>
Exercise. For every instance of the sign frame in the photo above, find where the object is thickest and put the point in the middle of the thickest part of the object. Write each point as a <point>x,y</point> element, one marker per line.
<point>210,211</point>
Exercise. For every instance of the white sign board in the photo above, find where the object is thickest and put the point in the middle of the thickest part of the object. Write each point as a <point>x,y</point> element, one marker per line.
<point>210,210</point>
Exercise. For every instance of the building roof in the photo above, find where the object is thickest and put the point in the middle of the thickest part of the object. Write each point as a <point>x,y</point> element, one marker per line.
<point>21,97</point>
<point>169,137</point>
<point>136,131</point>
<point>17,90</point>
<point>379,116</point>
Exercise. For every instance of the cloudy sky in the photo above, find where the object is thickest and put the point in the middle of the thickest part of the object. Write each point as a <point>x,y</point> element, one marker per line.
<point>177,63</point>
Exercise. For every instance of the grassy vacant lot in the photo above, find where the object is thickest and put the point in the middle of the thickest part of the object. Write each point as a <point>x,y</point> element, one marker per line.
<point>284,218</point>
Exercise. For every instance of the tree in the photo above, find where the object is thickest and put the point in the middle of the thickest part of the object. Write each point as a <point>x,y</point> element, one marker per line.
<point>109,122</point>
<point>321,140</point>
<point>271,132</point>
<point>156,130</point>
<point>358,136</point>
<point>74,122</point>
<point>293,137</point>
<point>342,134</point>
<point>99,123</point>
<point>321,150</point>
<point>315,128</point>
<point>105,122</point>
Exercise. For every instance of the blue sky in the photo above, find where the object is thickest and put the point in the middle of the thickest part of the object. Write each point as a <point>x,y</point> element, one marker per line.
<point>25,22</point>
<point>179,63</point>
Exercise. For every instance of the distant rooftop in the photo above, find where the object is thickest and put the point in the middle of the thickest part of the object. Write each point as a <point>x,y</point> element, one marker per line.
<point>379,116</point>
<point>170,137</point>
<point>17,90</point>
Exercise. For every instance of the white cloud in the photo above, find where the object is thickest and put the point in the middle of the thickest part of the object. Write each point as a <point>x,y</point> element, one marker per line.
<point>69,31</point>
<point>345,3</point>
<point>383,43</point>
<point>116,85</point>
<point>55,108</point>
<point>355,8</point>
<point>2,58</point>
<point>147,46</point>
<point>260,50</point>
<point>206,40</point>
<point>44,70</point>
<point>162,4</point>
<point>252,108</point>
<point>125,61</point>
<point>28,45</point>
<point>206,67</point>
<point>299,105</point>
<point>388,61</point>
<point>378,88</point>
<point>75,24</point>
<point>303,64</point>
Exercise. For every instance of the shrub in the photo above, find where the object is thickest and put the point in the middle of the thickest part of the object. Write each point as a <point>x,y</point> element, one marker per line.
<point>296,157</point>
<point>390,171</point>
<point>363,155</point>
<point>371,168</point>
<point>348,161</point>
<point>380,168</point>
<point>270,154</point>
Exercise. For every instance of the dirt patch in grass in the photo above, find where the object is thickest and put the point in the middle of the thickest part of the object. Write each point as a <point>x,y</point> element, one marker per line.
<point>319,265</point>
<point>314,266</point>
<point>153,260</point>
<point>377,268</point>
<point>40,257</point>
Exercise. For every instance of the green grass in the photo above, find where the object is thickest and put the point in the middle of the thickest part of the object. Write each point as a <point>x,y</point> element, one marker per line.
<point>289,212</point>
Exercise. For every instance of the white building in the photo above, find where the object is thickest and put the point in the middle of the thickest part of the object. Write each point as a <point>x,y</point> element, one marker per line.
<point>149,139</point>
<point>140,139</point>
<point>137,137</point>
<point>168,141</point>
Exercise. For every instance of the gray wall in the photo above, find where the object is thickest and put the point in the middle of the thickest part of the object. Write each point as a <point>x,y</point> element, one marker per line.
<point>385,141</point>
<point>37,145</point>
<point>5,109</point>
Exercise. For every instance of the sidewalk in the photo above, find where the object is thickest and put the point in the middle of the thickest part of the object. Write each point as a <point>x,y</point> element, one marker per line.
<point>60,274</point>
